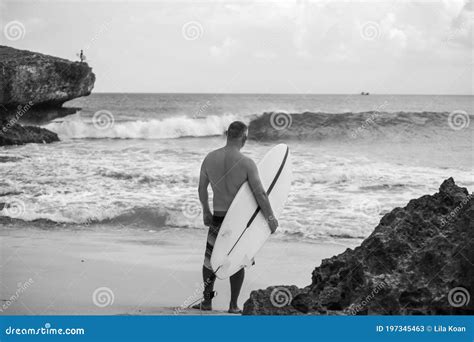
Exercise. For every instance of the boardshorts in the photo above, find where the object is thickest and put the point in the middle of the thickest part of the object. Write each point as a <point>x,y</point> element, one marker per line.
<point>211,238</point>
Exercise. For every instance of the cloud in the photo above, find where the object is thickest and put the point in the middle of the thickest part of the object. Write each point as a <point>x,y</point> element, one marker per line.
<point>225,49</point>
<point>287,40</point>
<point>265,55</point>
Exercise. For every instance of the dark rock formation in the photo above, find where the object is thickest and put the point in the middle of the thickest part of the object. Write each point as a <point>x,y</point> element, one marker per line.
<point>33,88</point>
<point>418,260</point>
<point>16,134</point>
<point>43,80</point>
<point>275,300</point>
<point>40,116</point>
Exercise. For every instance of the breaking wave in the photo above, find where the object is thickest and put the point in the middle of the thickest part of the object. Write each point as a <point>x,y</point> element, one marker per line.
<point>364,125</point>
<point>168,128</point>
<point>277,125</point>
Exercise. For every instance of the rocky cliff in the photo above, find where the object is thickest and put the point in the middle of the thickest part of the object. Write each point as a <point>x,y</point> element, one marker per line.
<point>418,260</point>
<point>32,87</point>
<point>43,80</point>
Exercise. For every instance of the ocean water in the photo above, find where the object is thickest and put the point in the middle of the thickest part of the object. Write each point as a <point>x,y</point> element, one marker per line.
<point>131,161</point>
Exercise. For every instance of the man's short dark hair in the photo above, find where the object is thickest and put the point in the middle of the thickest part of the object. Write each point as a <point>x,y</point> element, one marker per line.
<point>236,130</point>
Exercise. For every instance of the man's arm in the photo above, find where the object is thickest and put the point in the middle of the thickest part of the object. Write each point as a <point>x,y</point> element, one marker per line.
<point>261,195</point>
<point>203,195</point>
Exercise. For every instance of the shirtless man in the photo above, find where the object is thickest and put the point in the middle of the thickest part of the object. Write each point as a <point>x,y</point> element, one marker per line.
<point>226,169</point>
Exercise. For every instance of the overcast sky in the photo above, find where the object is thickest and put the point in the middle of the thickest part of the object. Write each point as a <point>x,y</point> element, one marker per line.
<point>255,47</point>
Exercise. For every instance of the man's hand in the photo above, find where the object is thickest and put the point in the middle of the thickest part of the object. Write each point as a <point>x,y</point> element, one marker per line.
<point>260,195</point>
<point>272,223</point>
<point>207,218</point>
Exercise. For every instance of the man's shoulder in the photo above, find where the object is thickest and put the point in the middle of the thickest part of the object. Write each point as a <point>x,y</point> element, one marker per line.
<point>247,161</point>
<point>213,154</point>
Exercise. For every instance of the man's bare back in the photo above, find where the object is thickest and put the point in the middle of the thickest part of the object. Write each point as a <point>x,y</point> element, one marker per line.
<point>227,170</point>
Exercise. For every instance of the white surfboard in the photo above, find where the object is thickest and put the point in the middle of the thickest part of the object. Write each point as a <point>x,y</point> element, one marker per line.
<point>244,229</point>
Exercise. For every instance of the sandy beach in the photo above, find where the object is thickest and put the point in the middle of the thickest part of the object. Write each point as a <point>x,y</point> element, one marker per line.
<point>131,272</point>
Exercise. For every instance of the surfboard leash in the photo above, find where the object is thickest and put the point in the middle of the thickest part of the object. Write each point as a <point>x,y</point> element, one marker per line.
<point>214,294</point>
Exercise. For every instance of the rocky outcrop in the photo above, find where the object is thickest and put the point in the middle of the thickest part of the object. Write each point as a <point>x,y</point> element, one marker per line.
<point>33,88</point>
<point>40,79</point>
<point>418,260</point>
<point>16,134</point>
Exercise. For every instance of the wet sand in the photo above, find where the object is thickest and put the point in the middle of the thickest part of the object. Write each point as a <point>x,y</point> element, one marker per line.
<point>131,272</point>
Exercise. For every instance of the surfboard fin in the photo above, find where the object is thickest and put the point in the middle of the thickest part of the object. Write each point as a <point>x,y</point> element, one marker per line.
<point>247,262</point>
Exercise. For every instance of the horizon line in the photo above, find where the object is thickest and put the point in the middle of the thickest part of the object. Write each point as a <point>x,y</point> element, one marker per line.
<point>243,93</point>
